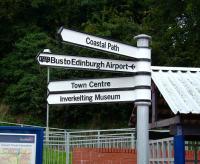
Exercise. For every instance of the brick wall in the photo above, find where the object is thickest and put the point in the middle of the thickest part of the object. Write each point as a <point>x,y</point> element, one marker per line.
<point>114,156</point>
<point>103,156</point>
<point>190,156</point>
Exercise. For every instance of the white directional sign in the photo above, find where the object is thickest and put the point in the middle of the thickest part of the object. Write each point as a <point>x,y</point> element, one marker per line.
<point>53,60</point>
<point>100,97</point>
<point>94,42</point>
<point>99,84</point>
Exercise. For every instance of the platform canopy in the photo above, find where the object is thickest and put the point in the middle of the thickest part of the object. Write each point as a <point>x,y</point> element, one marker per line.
<point>180,87</point>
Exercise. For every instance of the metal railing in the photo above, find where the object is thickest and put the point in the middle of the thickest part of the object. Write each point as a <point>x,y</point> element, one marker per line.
<point>59,144</point>
<point>161,151</point>
<point>113,138</point>
<point>192,152</point>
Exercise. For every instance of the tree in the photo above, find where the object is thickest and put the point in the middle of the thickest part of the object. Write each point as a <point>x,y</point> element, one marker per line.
<point>174,26</point>
<point>23,81</point>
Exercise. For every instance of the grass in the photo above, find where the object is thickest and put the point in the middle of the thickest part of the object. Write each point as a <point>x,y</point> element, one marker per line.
<point>52,156</point>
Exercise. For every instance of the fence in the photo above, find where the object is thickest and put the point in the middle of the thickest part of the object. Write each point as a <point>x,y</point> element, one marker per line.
<point>58,144</point>
<point>55,148</point>
<point>192,152</point>
<point>161,151</point>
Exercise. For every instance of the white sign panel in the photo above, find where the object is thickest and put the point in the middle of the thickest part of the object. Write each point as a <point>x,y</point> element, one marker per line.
<point>94,42</point>
<point>89,63</point>
<point>17,148</point>
<point>100,97</point>
<point>97,84</point>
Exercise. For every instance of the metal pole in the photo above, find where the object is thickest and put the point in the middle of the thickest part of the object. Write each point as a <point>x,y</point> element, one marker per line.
<point>47,116</point>
<point>142,134</point>
<point>68,148</point>
<point>98,142</point>
<point>143,111</point>
<point>179,146</point>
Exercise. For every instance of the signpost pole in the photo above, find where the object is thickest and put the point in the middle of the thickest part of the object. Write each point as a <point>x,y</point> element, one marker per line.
<point>143,114</point>
<point>47,116</point>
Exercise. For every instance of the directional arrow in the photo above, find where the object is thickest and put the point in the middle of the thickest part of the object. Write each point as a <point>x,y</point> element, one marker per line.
<point>76,62</point>
<point>117,83</point>
<point>132,66</point>
<point>101,44</point>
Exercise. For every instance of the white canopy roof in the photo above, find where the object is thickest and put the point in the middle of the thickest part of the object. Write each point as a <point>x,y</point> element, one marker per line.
<point>179,86</point>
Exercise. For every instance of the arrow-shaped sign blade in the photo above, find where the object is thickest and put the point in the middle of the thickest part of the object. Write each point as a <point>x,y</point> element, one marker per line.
<point>89,41</point>
<point>76,62</point>
<point>116,83</point>
<point>101,97</point>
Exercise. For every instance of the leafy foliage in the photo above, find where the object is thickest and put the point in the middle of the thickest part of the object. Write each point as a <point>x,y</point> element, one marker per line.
<point>174,26</point>
<point>23,79</point>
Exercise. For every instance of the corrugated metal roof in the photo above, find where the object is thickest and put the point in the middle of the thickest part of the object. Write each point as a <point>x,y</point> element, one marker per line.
<point>179,86</point>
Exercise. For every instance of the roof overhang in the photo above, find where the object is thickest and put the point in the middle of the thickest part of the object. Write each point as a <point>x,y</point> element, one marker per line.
<point>180,87</point>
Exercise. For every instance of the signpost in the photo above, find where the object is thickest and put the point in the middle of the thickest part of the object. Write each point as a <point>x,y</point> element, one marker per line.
<point>102,44</point>
<point>135,89</point>
<point>76,62</point>
<point>101,97</point>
